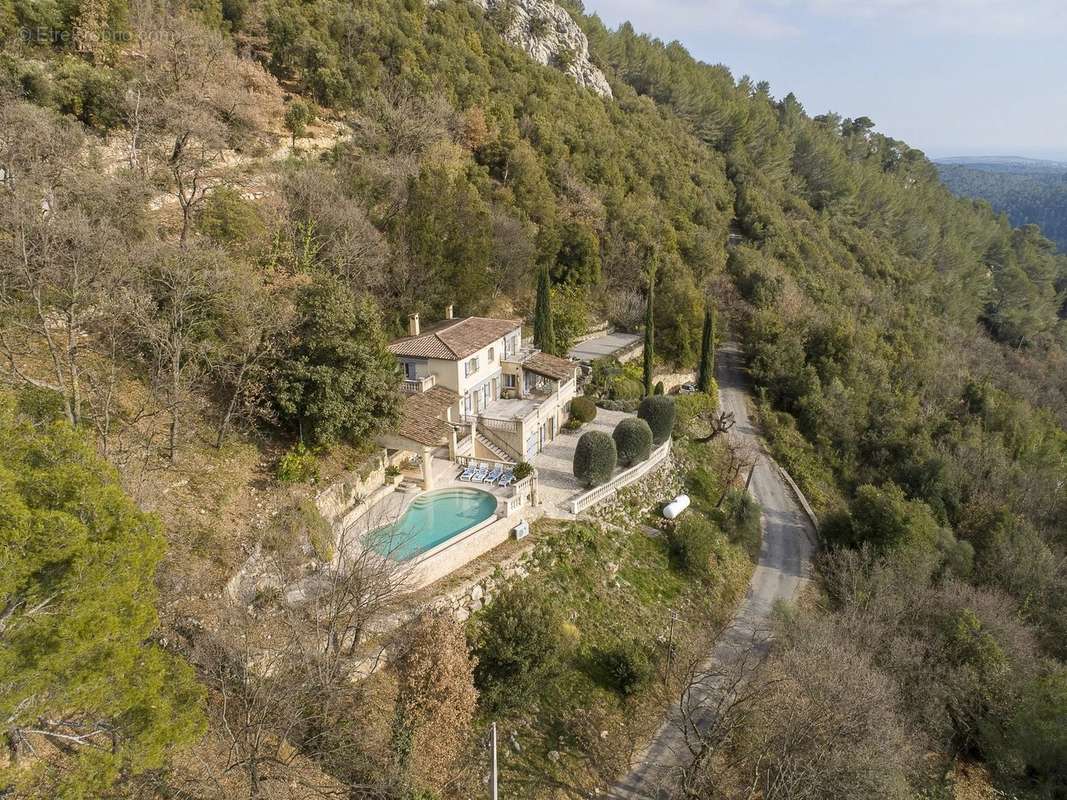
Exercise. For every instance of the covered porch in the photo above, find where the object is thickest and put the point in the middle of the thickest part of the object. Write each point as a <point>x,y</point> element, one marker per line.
<point>426,431</point>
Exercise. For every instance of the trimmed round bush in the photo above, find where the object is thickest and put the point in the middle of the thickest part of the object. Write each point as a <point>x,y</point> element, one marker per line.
<point>633,441</point>
<point>594,458</point>
<point>583,409</point>
<point>659,388</point>
<point>658,411</point>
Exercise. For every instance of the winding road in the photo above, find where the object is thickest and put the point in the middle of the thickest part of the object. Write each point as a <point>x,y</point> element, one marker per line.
<point>780,574</point>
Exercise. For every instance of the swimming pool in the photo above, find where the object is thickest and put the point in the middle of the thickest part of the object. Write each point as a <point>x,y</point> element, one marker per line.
<point>432,518</point>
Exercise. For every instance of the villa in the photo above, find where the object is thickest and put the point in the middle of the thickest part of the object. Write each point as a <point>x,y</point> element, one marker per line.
<point>474,387</point>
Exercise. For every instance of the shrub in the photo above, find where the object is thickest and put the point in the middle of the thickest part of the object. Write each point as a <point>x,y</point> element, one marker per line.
<point>227,218</point>
<point>629,406</point>
<point>583,409</point>
<point>633,440</point>
<point>691,543</point>
<point>689,406</point>
<point>518,638</point>
<point>659,412</point>
<point>572,424</point>
<point>739,518</point>
<point>627,666</point>
<point>626,388</point>
<point>659,388</point>
<point>523,470</point>
<point>594,458</point>
<point>299,465</point>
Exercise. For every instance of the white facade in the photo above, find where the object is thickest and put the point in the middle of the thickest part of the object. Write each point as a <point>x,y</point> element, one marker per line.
<point>502,400</point>
<point>477,378</point>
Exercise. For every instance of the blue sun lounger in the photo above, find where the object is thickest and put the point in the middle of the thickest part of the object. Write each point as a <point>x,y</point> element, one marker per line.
<point>506,479</point>
<point>479,476</point>
<point>468,473</point>
<point>494,476</point>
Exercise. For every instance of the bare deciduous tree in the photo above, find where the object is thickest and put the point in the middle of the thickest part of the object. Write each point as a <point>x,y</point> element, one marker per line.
<point>251,319</point>
<point>187,109</point>
<point>173,317</point>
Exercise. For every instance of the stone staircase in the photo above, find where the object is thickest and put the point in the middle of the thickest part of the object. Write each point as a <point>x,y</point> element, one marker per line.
<point>495,449</point>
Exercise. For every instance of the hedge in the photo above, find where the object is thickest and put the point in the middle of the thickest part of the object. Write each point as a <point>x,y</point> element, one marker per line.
<point>633,440</point>
<point>658,411</point>
<point>594,458</point>
<point>583,409</point>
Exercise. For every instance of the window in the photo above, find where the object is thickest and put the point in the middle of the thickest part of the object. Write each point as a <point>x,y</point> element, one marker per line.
<point>471,367</point>
<point>510,382</point>
<point>492,355</point>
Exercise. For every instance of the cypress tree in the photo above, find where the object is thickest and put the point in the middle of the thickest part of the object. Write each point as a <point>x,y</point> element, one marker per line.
<point>544,334</point>
<point>707,351</point>
<point>650,321</point>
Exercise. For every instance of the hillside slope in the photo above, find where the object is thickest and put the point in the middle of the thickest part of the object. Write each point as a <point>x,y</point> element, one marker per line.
<point>224,347</point>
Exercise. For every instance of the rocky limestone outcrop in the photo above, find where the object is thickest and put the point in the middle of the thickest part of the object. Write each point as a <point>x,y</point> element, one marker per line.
<point>551,37</point>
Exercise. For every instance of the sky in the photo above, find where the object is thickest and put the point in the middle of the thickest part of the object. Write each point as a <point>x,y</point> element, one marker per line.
<point>951,77</point>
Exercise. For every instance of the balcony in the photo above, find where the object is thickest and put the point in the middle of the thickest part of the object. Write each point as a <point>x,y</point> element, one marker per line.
<point>418,385</point>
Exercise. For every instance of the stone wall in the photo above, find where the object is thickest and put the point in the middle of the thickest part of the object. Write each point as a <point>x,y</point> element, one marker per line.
<point>467,547</point>
<point>472,595</point>
<point>346,499</point>
<point>674,379</point>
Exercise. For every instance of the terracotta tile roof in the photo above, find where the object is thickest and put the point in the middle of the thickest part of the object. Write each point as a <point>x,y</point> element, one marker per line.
<point>454,339</point>
<point>554,367</point>
<point>422,416</point>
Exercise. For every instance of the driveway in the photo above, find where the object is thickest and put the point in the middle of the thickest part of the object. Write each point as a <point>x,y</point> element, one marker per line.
<point>781,572</point>
<point>610,345</point>
<point>555,464</point>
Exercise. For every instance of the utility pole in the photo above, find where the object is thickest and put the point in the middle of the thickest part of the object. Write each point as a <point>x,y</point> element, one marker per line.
<point>492,762</point>
<point>670,646</point>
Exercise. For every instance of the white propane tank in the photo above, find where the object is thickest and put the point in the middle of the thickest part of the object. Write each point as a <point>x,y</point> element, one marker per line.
<point>676,506</point>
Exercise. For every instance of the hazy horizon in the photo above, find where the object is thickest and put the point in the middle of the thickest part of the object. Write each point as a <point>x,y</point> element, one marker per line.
<point>951,77</point>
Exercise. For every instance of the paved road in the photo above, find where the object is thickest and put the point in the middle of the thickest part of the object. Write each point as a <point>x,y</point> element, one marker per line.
<point>781,572</point>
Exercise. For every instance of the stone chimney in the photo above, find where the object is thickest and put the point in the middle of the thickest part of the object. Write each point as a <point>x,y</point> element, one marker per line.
<point>413,324</point>
<point>448,311</point>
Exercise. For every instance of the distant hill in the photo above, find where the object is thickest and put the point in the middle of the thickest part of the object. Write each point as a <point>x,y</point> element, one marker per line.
<point>1028,190</point>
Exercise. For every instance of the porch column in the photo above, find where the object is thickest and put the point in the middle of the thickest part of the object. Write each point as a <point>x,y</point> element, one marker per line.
<point>452,444</point>
<point>427,468</point>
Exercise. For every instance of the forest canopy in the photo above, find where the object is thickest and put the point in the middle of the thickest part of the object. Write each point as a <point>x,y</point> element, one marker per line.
<point>186,258</point>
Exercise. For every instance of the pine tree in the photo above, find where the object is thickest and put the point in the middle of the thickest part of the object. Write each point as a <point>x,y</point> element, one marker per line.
<point>650,321</point>
<point>85,695</point>
<point>544,333</point>
<point>707,351</point>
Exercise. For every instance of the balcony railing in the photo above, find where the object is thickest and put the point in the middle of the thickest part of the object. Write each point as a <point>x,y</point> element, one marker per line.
<point>418,385</point>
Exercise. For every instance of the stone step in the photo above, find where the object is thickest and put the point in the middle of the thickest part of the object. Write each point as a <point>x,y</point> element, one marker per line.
<point>494,449</point>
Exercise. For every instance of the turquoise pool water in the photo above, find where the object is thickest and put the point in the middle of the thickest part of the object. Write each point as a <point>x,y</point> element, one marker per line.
<point>432,518</point>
